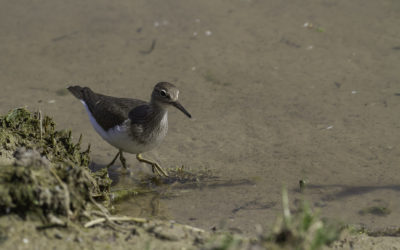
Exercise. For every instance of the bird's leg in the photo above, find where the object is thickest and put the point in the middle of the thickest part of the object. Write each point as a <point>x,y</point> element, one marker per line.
<point>122,159</point>
<point>155,167</point>
<point>112,162</point>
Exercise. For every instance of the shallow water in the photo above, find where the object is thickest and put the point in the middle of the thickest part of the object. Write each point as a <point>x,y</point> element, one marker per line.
<point>279,91</point>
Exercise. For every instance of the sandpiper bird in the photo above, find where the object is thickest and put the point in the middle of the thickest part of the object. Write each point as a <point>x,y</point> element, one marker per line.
<point>131,125</point>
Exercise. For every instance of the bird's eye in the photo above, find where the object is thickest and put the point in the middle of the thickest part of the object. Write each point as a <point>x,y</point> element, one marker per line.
<point>163,93</point>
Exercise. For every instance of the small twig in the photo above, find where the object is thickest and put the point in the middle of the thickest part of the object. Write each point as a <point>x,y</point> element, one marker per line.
<point>59,38</point>
<point>122,219</point>
<point>153,45</point>
<point>285,207</point>
<point>106,215</point>
<point>104,211</point>
<point>94,222</point>
<point>195,229</point>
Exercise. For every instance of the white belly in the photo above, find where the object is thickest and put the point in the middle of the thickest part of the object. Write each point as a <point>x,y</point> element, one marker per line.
<point>120,138</point>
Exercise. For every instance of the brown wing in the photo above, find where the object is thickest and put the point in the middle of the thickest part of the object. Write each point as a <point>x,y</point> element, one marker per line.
<point>107,110</point>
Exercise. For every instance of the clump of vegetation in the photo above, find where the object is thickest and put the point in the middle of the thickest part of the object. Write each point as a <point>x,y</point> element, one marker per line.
<point>302,230</point>
<point>229,241</point>
<point>20,128</point>
<point>376,210</point>
<point>48,173</point>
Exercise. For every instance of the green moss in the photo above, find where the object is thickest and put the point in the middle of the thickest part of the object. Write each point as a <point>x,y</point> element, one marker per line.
<point>376,210</point>
<point>20,128</point>
<point>50,175</point>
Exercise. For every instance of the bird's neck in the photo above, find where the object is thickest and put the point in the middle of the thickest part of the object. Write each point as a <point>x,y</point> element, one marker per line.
<point>159,110</point>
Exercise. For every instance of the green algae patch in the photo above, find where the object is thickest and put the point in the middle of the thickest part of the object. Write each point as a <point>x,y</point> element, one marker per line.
<point>20,128</point>
<point>376,210</point>
<point>46,173</point>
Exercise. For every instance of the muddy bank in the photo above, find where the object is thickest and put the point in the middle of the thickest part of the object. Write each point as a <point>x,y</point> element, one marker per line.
<point>46,172</point>
<point>49,196</point>
<point>278,90</point>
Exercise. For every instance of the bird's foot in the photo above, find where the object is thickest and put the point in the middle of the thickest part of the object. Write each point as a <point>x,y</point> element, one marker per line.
<point>155,167</point>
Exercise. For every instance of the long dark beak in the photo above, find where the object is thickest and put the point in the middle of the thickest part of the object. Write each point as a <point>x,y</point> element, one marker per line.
<point>181,108</point>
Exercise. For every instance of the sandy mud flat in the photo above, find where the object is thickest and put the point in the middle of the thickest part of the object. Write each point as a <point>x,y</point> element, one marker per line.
<point>279,92</point>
